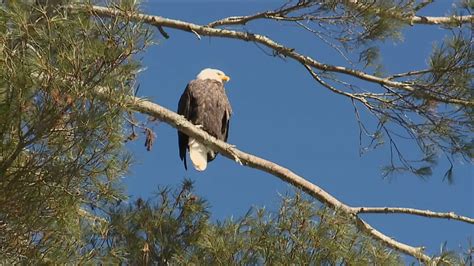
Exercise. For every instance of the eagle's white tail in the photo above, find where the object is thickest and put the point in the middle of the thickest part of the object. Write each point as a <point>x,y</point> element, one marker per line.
<point>198,154</point>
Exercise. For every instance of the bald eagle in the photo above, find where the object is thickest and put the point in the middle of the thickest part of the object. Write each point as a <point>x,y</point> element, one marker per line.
<point>205,104</point>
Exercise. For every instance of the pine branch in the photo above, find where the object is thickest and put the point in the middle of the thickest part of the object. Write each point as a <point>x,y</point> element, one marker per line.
<point>91,217</point>
<point>278,48</point>
<point>424,213</point>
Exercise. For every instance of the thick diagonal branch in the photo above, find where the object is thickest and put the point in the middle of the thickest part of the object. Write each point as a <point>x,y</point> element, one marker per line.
<point>229,151</point>
<point>278,48</point>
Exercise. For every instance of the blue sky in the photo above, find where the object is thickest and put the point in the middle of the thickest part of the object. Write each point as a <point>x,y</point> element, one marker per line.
<point>281,114</point>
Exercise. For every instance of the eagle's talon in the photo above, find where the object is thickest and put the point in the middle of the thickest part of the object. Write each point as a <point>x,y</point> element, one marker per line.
<point>237,160</point>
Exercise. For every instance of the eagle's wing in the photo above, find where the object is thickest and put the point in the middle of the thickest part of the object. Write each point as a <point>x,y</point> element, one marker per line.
<point>184,109</point>
<point>211,107</point>
<point>226,117</point>
<point>225,124</point>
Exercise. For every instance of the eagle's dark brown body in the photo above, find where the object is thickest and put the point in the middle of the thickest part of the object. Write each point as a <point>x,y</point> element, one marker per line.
<point>204,103</point>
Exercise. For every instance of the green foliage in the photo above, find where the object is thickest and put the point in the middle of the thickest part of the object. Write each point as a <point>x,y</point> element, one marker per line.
<point>61,148</point>
<point>366,22</point>
<point>372,58</point>
<point>435,127</point>
<point>449,257</point>
<point>431,107</point>
<point>446,129</point>
<point>382,20</point>
<point>175,228</point>
<point>451,66</point>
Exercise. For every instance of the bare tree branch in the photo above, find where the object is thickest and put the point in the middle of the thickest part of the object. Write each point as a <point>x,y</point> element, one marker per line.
<point>425,213</point>
<point>361,97</point>
<point>282,14</point>
<point>278,48</point>
<point>279,14</point>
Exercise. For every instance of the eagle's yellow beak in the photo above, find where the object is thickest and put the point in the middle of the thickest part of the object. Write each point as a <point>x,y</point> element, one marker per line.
<point>225,78</point>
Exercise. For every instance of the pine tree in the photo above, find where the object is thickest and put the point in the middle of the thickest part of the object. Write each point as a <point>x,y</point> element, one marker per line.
<point>62,148</point>
<point>175,228</point>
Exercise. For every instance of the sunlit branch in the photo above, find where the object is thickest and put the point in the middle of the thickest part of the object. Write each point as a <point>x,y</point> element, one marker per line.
<point>278,48</point>
<point>229,151</point>
<point>279,14</point>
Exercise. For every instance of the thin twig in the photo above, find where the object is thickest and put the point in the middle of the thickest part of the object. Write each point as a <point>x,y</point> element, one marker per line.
<point>425,213</point>
<point>279,14</point>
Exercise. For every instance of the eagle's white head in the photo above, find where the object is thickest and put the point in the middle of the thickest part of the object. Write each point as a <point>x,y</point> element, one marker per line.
<point>214,74</point>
